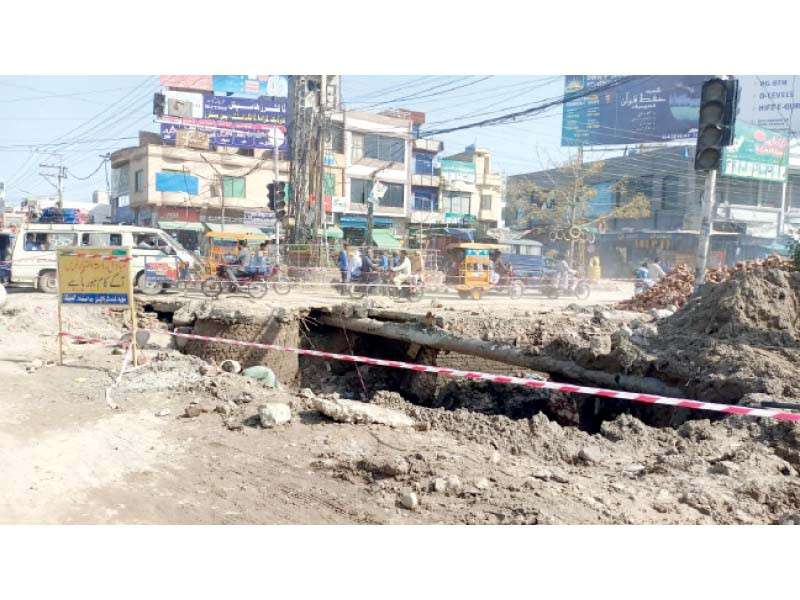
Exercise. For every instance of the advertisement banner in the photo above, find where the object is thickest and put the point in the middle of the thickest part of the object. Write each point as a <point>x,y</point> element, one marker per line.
<point>245,110</point>
<point>184,104</point>
<point>453,171</point>
<point>251,85</point>
<point>161,270</point>
<point>340,204</point>
<point>189,82</point>
<point>756,154</point>
<point>602,202</point>
<point>177,182</point>
<point>769,101</point>
<point>263,140</point>
<point>89,281</point>
<point>187,215</point>
<point>259,219</point>
<point>653,108</point>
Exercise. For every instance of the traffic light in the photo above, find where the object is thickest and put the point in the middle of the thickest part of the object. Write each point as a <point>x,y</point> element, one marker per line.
<point>276,193</point>
<point>159,102</point>
<point>715,128</point>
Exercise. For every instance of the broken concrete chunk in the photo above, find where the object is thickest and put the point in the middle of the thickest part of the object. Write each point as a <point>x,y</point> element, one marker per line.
<point>351,411</point>
<point>590,454</point>
<point>274,414</point>
<point>482,483</point>
<point>231,366</point>
<point>163,413</point>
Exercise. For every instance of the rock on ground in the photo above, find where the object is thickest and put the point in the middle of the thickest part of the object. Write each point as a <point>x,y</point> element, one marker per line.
<point>274,414</point>
<point>350,411</point>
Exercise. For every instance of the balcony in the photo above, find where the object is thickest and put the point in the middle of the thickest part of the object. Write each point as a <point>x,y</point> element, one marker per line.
<point>425,180</point>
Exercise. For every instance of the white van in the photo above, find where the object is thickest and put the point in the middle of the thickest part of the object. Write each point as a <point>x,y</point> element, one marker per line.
<point>33,258</point>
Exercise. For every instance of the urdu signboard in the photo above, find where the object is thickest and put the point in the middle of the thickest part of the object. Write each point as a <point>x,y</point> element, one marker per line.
<point>756,153</point>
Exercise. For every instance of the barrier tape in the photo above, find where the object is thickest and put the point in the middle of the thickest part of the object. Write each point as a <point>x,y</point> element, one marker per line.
<point>89,340</point>
<point>523,381</point>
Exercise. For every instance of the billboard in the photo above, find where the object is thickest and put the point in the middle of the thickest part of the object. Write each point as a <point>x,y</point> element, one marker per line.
<point>652,108</point>
<point>251,86</point>
<point>769,101</point>
<point>453,170</point>
<point>756,154</point>
<point>602,202</point>
<point>263,140</point>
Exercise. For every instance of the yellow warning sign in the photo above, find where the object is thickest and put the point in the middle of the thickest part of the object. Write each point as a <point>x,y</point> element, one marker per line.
<point>96,276</point>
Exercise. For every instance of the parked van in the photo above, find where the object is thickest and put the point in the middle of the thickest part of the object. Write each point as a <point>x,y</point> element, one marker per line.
<point>33,258</point>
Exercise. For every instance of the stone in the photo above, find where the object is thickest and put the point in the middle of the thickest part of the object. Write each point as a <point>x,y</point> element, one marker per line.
<point>233,424</point>
<point>193,411</point>
<point>36,364</point>
<point>439,485</point>
<point>600,344</point>
<point>408,500</point>
<point>559,478</point>
<point>352,411</point>
<point>142,337</point>
<point>542,474</point>
<point>261,373</point>
<point>790,519</point>
<point>634,468</point>
<point>163,413</point>
<point>208,370</point>
<point>453,484</point>
<point>118,351</point>
<point>274,414</point>
<point>422,426</point>
<point>661,313</point>
<point>723,468</point>
<point>231,366</point>
<point>590,454</point>
<point>495,458</point>
<point>482,483</point>
<point>306,393</point>
<point>624,331</point>
<point>224,409</point>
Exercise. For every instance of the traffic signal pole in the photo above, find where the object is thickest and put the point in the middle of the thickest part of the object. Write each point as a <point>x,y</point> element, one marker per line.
<point>709,201</point>
<point>275,179</point>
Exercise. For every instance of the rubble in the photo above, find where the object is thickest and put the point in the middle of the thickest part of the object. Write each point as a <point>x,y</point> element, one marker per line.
<point>274,414</point>
<point>350,411</point>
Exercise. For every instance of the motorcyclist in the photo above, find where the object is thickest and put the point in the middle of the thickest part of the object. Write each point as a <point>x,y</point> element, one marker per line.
<point>241,263</point>
<point>564,272</point>
<point>402,272</point>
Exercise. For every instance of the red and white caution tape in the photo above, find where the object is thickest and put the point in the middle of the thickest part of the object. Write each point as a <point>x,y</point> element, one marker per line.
<point>523,381</point>
<point>89,340</point>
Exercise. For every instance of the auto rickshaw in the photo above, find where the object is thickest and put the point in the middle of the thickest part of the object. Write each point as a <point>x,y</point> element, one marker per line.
<point>222,247</point>
<point>470,271</point>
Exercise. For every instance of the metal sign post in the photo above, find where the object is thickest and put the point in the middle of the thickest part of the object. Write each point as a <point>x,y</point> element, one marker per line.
<point>705,228</point>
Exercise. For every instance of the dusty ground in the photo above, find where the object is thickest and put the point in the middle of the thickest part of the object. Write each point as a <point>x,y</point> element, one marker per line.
<point>67,457</point>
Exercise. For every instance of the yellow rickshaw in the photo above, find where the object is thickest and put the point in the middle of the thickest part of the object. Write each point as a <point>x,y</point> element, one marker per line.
<point>470,270</point>
<point>222,247</point>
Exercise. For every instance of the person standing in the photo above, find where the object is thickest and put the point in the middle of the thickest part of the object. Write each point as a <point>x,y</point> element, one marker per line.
<point>344,270</point>
<point>655,270</point>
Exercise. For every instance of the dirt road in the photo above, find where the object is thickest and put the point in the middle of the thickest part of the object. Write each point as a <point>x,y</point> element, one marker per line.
<point>68,457</point>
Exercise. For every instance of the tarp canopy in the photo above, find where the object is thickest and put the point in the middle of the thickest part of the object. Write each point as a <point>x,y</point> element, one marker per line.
<point>461,234</point>
<point>385,239</point>
<point>234,228</point>
<point>332,231</point>
<point>181,226</point>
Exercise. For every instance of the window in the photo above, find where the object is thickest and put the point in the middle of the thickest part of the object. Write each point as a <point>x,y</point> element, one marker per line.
<point>456,203</point>
<point>233,187</point>
<point>384,148</point>
<point>426,199</point>
<point>337,139</point>
<point>394,195</point>
<point>138,181</point>
<point>423,163</point>
<point>48,241</point>
<point>486,203</point>
<point>359,190</point>
<point>101,239</point>
<point>670,192</point>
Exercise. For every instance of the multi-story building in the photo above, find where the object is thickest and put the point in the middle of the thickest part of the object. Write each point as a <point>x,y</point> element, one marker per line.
<point>749,218</point>
<point>470,191</point>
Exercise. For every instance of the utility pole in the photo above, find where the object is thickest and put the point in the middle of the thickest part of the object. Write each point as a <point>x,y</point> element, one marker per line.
<point>320,209</point>
<point>275,179</point>
<point>574,208</point>
<point>60,175</point>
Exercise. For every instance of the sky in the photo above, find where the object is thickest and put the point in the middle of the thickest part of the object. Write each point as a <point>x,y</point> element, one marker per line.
<point>76,119</point>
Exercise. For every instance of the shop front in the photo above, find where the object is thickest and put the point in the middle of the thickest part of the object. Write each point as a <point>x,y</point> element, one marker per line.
<point>183,224</point>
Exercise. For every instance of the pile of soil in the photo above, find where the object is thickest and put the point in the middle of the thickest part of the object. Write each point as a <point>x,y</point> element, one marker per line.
<point>738,337</point>
<point>676,288</point>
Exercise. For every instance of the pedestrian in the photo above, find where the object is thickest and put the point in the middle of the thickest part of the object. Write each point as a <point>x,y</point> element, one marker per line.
<point>355,265</point>
<point>655,270</point>
<point>344,271</point>
<point>383,261</point>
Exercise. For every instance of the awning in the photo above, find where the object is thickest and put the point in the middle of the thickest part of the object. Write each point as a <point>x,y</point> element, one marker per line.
<point>385,239</point>
<point>461,234</point>
<point>234,228</point>
<point>181,226</point>
<point>332,231</point>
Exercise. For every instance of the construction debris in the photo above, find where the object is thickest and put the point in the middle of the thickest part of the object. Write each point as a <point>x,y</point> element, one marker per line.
<point>349,411</point>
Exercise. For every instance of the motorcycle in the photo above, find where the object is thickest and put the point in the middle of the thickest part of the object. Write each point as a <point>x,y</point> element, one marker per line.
<point>576,286</point>
<point>366,284</point>
<point>642,285</point>
<point>256,285</point>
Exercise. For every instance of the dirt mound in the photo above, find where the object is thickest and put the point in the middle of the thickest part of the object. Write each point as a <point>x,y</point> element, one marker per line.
<point>755,305</point>
<point>677,286</point>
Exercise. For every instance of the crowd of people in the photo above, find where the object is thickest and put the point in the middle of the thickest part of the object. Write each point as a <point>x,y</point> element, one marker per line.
<point>372,265</point>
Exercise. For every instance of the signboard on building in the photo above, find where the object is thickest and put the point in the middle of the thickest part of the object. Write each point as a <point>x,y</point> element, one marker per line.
<point>188,82</point>
<point>340,204</point>
<point>653,108</point>
<point>602,202</point>
<point>91,281</point>
<point>191,138</point>
<point>259,219</point>
<point>454,171</point>
<point>262,140</point>
<point>241,85</point>
<point>376,193</point>
<point>756,154</point>
<point>177,182</point>
<point>186,215</point>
